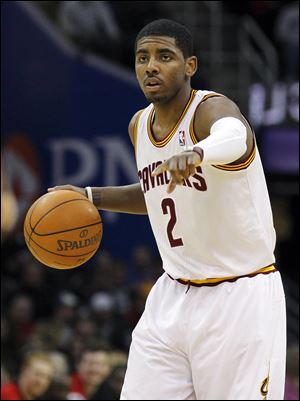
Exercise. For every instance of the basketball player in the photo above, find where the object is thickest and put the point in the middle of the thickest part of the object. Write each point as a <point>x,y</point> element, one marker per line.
<point>214,323</point>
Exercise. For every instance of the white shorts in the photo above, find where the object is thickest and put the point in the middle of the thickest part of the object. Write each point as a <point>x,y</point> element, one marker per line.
<point>226,342</point>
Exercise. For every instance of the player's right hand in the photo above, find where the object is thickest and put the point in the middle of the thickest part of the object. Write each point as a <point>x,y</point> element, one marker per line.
<point>69,188</point>
<point>180,167</point>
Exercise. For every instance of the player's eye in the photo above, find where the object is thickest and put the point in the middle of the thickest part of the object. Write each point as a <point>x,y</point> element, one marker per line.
<point>141,59</point>
<point>166,57</point>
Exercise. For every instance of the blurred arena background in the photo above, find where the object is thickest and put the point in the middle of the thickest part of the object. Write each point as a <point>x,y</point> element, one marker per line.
<point>68,91</point>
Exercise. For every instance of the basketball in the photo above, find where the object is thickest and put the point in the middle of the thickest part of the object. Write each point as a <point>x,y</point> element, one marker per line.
<point>63,229</point>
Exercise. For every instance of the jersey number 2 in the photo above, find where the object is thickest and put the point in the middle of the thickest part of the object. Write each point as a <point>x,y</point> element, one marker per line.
<point>168,207</point>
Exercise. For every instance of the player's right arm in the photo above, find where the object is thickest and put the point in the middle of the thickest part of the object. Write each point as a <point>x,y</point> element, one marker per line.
<point>123,199</point>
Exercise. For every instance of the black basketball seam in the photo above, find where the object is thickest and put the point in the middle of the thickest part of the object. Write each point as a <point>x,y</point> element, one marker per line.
<point>29,222</point>
<point>70,229</point>
<point>37,256</point>
<point>38,222</point>
<point>68,201</point>
<point>36,203</point>
<point>64,264</point>
<point>58,254</point>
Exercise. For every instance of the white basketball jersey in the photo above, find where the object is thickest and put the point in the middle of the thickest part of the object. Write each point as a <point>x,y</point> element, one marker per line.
<point>219,223</point>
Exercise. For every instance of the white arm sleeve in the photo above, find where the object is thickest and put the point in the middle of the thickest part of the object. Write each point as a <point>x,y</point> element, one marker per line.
<point>226,142</point>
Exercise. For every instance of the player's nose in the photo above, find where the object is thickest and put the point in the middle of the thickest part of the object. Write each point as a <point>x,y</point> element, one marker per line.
<point>152,66</point>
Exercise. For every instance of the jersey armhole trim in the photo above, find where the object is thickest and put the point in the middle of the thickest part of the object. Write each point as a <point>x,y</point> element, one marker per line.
<point>135,129</point>
<point>237,167</point>
<point>247,162</point>
<point>191,128</point>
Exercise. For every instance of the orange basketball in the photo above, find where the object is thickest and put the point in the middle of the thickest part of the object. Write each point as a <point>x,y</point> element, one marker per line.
<point>63,229</point>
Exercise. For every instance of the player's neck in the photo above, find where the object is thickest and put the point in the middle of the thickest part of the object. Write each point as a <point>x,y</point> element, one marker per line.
<point>166,115</point>
<point>174,107</point>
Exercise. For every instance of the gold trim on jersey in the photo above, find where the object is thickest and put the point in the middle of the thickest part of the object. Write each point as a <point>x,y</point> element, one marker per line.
<point>212,281</point>
<point>135,128</point>
<point>164,141</point>
<point>237,167</point>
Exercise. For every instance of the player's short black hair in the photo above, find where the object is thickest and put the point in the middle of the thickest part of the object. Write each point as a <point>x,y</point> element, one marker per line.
<point>172,29</point>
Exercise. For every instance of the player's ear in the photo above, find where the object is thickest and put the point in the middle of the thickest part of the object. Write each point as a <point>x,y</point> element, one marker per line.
<point>191,65</point>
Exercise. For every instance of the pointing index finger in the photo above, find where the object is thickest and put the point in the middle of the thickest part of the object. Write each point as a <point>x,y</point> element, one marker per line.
<point>160,169</point>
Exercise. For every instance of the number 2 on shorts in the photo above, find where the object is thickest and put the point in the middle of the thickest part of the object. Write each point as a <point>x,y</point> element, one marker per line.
<point>168,207</point>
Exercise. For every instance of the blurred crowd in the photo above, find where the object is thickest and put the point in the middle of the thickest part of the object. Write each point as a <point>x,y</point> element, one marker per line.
<point>279,20</point>
<point>66,334</point>
<point>109,28</point>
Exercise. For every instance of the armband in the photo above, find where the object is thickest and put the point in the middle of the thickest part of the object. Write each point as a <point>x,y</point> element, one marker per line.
<point>226,142</point>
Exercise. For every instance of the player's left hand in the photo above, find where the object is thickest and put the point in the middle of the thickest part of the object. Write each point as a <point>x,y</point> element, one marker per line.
<point>180,166</point>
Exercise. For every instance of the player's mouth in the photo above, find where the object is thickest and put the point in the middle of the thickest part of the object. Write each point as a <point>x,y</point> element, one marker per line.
<point>152,84</point>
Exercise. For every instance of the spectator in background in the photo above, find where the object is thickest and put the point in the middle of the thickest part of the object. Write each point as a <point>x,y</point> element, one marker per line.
<point>91,25</point>
<point>92,369</point>
<point>142,266</point>
<point>104,267</point>
<point>59,389</point>
<point>111,388</point>
<point>34,379</point>
<point>6,350</point>
<point>4,376</point>
<point>57,331</point>
<point>9,207</point>
<point>60,363</point>
<point>287,33</point>
<point>117,358</point>
<point>20,321</point>
<point>60,385</point>
<point>112,325</point>
<point>85,328</point>
<point>33,283</point>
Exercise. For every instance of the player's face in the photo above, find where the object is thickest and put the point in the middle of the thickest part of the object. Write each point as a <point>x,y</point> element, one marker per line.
<point>161,69</point>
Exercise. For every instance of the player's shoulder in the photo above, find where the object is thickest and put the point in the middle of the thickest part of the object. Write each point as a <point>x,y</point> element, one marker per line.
<point>212,107</point>
<point>217,103</point>
<point>132,125</point>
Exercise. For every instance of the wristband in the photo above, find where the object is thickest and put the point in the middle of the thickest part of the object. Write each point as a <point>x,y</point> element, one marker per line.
<point>89,193</point>
<point>199,152</point>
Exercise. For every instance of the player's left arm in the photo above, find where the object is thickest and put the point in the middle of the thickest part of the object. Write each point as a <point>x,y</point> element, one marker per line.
<point>224,137</point>
<point>220,119</point>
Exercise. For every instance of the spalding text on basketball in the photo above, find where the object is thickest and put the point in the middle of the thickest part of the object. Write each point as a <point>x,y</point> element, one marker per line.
<point>64,245</point>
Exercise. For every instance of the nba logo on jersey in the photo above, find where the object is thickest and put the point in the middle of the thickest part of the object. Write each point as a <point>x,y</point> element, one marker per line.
<point>181,138</point>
